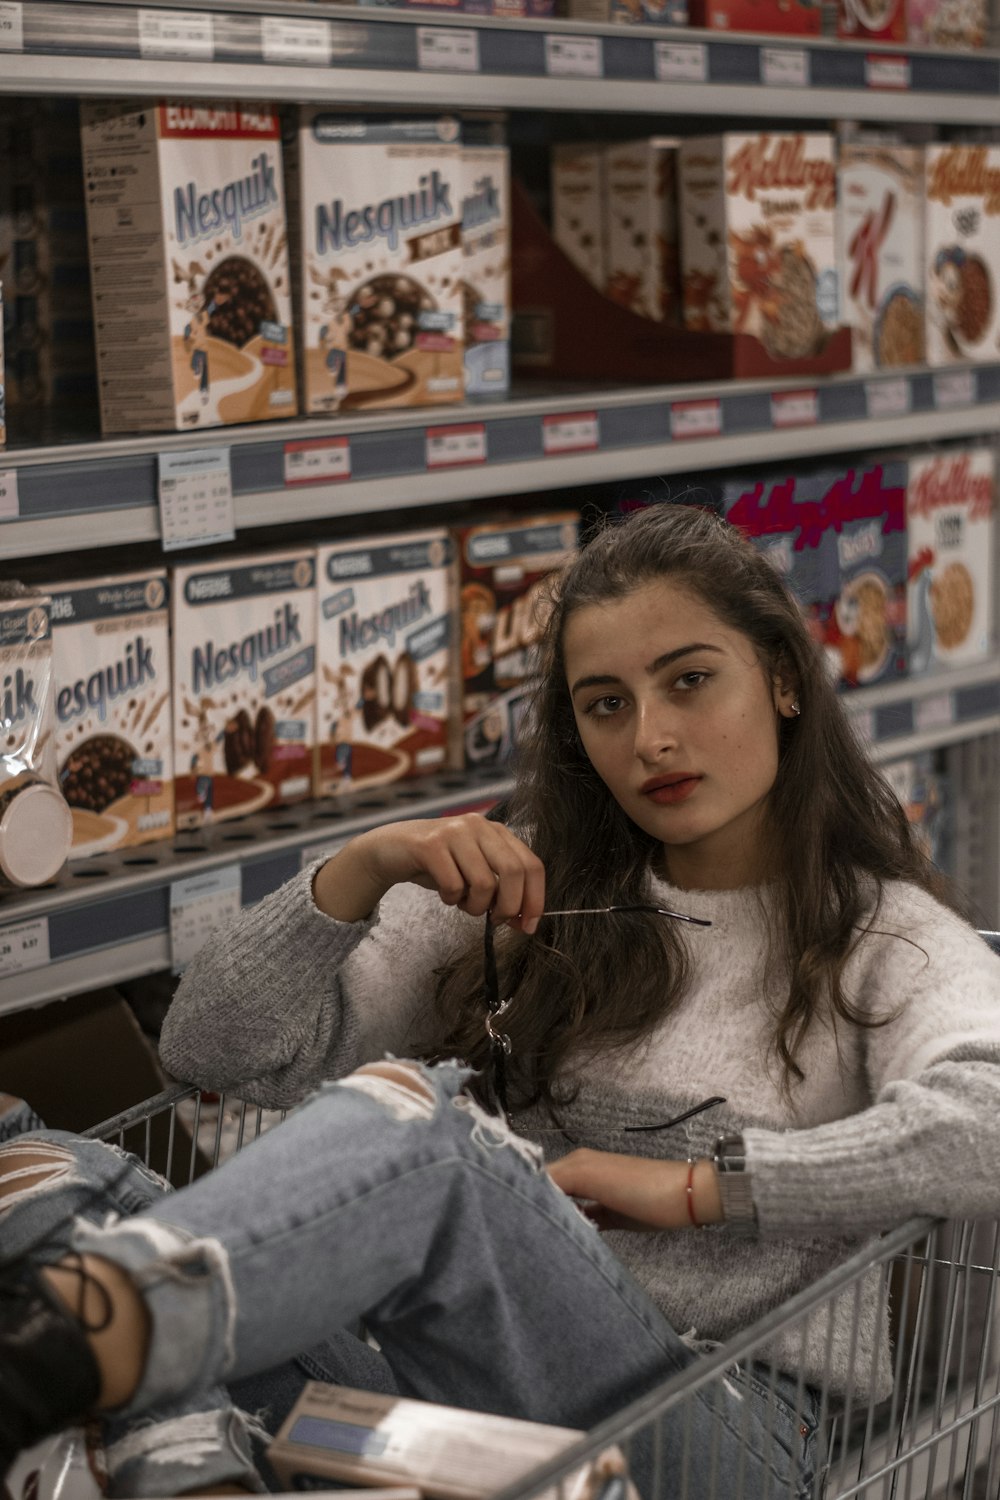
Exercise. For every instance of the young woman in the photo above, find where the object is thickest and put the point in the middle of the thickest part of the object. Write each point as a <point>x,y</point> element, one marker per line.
<point>783,950</point>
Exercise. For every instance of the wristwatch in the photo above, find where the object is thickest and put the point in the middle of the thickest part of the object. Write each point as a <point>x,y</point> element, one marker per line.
<point>734,1184</point>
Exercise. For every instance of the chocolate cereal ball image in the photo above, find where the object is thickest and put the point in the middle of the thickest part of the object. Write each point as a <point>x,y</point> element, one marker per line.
<point>97,772</point>
<point>384,315</point>
<point>237,301</point>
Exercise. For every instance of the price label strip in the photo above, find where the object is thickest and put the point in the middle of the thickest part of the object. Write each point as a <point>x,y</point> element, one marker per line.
<point>449,447</point>
<point>317,461</point>
<point>784,67</point>
<point>9,506</point>
<point>887,72</point>
<point>935,712</point>
<point>574,56</point>
<point>176,33</point>
<point>576,432</point>
<point>24,945</point>
<point>292,39</point>
<point>197,907</point>
<point>11,26</point>
<point>681,62</point>
<point>447,49</point>
<point>196,498</point>
<point>888,398</point>
<point>695,419</point>
<point>953,388</point>
<point>794,409</point>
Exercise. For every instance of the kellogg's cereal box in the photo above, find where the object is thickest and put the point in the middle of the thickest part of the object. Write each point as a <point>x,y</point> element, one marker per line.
<point>962,218</point>
<point>383,681</point>
<point>950,504</point>
<point>881,228</point>
<point>114,742</point>
<point>948,24</point>
<point>872,20</point>
<point>866,630</point>
<point>244,673</point>
<point>486,269</point>
<point>577,192</point>
<point>189,259</point>
<point>792,17</point>
<point>643,253</point>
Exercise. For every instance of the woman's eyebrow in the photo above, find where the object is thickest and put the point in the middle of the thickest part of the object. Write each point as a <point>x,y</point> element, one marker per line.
<point>609,679</point>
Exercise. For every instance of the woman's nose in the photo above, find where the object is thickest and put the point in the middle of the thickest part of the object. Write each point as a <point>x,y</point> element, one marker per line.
<point>655,731</point>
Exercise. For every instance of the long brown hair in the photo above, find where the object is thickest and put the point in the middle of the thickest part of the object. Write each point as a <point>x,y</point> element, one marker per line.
<point>582,986</point>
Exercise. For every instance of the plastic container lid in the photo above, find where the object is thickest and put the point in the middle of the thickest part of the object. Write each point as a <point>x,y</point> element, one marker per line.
<point>36,832</point>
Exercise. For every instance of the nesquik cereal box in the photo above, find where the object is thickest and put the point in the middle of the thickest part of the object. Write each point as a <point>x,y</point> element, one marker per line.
<point>950,507</point>
<point>114,741</point>
<point>383,634</point>
<point>380,221</point>
<point>244,674</point>
<point>189,260</point>
<point>578,208</point>
<point>881,231</point>
<point>643,253</point>
<point>486,269</point>
<point>758,238</point>
<point>962,225</point>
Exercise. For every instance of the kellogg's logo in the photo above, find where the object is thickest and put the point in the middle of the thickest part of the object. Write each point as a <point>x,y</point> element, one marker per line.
<point>965,172</point>
<point>951,481</point>
<point>765,165</point>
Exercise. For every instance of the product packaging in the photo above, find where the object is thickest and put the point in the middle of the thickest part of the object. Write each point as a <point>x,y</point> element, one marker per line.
<point>381,266</point>
<point>871,20</point>
<point>578,208</point>
<point>114,743</point>
<point>503,569</point>
<point>189,257</point>
<point>758,239</point>
<point>486,269</point>
<point>383,634</point>
<point>963,253</point>
<point>950,510</point>
<point>866,630</point>
<point>923,793</point>
<point>646,12</point>
<point>244,675</point>
<point>791,17</point>
<point>69,1466</point>
<point>641,239</point>
<point>947,24</point>
<point>881,229</point>
<point>511,10</point>
<point>3,398</point>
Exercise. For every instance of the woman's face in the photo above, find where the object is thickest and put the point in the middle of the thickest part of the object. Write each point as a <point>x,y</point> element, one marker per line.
<point>680,721</point>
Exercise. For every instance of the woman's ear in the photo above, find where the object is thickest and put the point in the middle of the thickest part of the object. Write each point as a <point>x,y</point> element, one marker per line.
<point>786,698</point>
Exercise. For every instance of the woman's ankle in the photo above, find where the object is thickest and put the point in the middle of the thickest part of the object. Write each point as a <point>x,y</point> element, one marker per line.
<point>104,1299</point>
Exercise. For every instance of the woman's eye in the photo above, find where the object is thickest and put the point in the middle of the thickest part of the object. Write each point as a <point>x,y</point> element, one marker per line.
<point>603,708</point>
<point>690,680</point>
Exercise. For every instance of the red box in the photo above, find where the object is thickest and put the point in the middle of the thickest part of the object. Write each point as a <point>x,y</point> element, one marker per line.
<point>871,20</point>
<point>787,17</point>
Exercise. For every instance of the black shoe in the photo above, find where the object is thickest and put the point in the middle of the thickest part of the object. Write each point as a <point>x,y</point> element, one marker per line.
<point>48,1374</point>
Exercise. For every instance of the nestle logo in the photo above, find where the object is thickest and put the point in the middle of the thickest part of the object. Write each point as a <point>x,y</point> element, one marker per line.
<point>214,586</point>
<point>489,546</point>
<point>350,567</point>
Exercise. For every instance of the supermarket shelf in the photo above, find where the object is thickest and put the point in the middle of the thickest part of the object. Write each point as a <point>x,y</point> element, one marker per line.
<point>904,718</point>
<point>284,50</point>
<point>101,493</point>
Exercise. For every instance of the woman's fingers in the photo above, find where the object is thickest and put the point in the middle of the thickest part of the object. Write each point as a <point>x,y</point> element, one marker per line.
<point>475,865</point>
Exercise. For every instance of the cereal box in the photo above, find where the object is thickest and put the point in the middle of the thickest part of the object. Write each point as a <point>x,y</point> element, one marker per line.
<point>948,24</point>
<point>3,401</point>
<point>380,218</point>
<point>486,269</point>
<point>578,208</point>
<point>244,673</point>
<point>189,257</point>
<point>114,743</point>
<point>871,20</point>
<point>502,568</point>
<point>924,795</point>
<point>962,222</point>
<point>648,12</point>
<point>383,634</point>
<point>866,630</point>
<point>794,17</point>
<point>758,238</point>
<point>950,505</point>
<point>881,228</point>
<point>643,254</point>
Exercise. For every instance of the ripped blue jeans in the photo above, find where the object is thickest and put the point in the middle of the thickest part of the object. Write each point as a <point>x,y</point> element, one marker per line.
<point>391,1197</point>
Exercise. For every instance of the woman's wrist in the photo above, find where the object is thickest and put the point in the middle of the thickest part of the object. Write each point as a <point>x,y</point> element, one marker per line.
<point>704,1199</point>
<point>345,888</point>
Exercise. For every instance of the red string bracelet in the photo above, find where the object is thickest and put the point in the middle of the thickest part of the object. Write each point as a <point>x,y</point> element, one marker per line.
<point>689,1190</point>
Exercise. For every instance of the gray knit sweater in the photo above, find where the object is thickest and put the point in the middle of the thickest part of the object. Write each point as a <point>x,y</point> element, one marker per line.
<point>887,1123</point>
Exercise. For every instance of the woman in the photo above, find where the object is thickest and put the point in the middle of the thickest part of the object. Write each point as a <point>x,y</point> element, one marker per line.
<point>799,969</point>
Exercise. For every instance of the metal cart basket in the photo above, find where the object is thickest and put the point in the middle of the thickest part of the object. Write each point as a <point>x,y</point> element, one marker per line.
<point>934,1286</point>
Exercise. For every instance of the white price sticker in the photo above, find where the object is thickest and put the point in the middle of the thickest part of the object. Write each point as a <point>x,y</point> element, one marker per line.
<point>888,398</point>
<point>448,447</point>
<point>784,67</point>
<point>317,460</point>
<point>681,62</point>
<point>196,498</point>
<point>955,388</point>
<point>794,409</point>
<point>292,39</point>
<point>11,26</point>
<point>695,419</point>
<point>9,506</point>
<point>447,49</point>
<point>577,432</point>
<point>574,56</point>
<point>934,712</point>
<point>887,72</point>
<point>24,945</point>
<point>864,723</point>
<point>197,907</point>
<point>176,33</point>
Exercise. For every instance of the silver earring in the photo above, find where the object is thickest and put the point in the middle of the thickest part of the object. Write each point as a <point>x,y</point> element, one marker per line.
<point>795,708</point>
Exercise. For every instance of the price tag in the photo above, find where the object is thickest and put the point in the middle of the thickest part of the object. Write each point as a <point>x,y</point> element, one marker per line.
<point>955,388</point>
<point>888,398</point>
<point>196,498</point>
<point>935,712</point>
<point>695,419</point>
<point>577,432</point>
<point>291,39</point>
<point>794,409</point>
<point>574,56</point>
<point>317,460</point>
<point>864,723</point>
<point>447,447</point>
<point>176,33</point>
<point>447,49</point>
<point>784,67</point>
<point>9,507</point>
<point>197,907</point>
<point>24,945</point>
<point>11,26</point>
<point>681,62</point>
<point>887,72</point>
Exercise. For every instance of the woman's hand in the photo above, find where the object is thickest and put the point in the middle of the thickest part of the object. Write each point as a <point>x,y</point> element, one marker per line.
<point>634,1192</point>
<point>473,864</point>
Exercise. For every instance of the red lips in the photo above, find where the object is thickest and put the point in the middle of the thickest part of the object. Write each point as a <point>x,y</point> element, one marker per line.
<point>674,777</point>
<point>669,789</point>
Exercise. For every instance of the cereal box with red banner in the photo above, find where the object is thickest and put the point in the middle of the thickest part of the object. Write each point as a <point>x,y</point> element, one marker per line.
<point>871,20</point>
<point>866,629</point>
<point>950,506</point>
<point>789,17</point>
<point>962,218</point>
<point>881,228</point>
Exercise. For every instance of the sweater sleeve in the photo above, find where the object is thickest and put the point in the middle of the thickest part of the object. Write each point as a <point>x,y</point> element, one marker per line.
<point>930,1140</point>
<point>286,996</point>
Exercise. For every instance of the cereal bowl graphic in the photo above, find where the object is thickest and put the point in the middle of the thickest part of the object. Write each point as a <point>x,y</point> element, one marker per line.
<point>862,617</point>
<point>94,778</point>
<point>952,602</point>
<point>794,328</point>
<point>899,329</point>
<point>962,297</point>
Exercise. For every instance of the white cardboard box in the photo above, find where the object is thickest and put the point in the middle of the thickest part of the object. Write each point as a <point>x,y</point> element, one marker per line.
<point>882,240</point>
<point>641,234</point>
<point>963,253</point>
<point>951,505</point>
<point>578,208</point>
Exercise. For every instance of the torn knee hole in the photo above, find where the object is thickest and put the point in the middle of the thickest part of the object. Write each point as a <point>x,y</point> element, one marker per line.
<point>27,1168</point>
<point>400,1088</point>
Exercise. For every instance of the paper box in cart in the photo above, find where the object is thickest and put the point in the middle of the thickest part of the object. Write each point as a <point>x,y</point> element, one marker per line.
<point>380,222</point>
<point>962,219</point>
<point>882,235</point>
<point>244,674</point>
<point>383,694</point>
<point>866,630</point>
<point>114,732</point>
<point>641,239</point>
<point>486,269</point>
<point>189,260</point>
<point>950,511</point>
